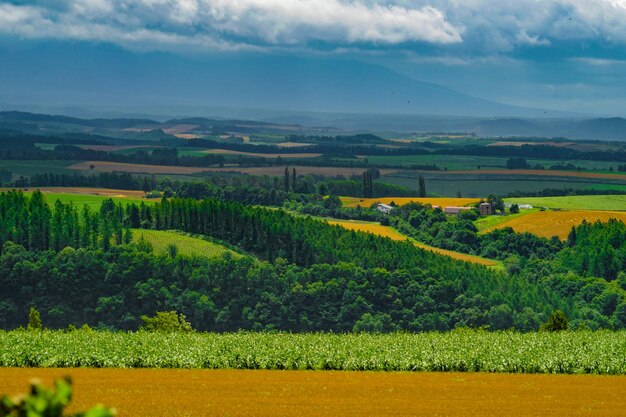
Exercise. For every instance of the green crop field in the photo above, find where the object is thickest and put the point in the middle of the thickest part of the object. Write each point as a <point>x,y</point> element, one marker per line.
<point>186,244</point>
<point>500,185</point>
<point>601,352</point>
<point>579,202</point>
<point>27,168</point>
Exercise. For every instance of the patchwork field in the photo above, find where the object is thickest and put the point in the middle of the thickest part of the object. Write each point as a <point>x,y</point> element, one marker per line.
<point>387,231</point>
<point>186,245</point>
<point>580,202</point>
<point>100,166</point>
<point>555,223</point>
<point>175,393</point>
<point>262,155</point>
<point>442,202</point>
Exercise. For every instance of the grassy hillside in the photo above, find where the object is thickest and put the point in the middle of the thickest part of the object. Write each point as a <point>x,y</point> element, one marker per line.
<point>186,244</point>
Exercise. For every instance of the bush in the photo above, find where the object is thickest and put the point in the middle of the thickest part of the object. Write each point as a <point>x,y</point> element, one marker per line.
<point>43,402</point>
<point>34,320</point>
<point>556,322</point>
<point>166,321</point>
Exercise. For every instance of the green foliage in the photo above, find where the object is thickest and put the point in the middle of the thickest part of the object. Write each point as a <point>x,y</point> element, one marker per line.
<point>579,352</point>
<point>34,320</point>
<point>166,321</point>
<point>556,322</point>
<point>44,402</point>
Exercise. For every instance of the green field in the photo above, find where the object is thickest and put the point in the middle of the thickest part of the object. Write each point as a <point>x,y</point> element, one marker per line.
<point>438,185</point>
<point>27,168</point>
<point>600,352</point>
<point>186,244</point>
<point>579,202</point>
<point>91,200</point>
<point>488,222</point>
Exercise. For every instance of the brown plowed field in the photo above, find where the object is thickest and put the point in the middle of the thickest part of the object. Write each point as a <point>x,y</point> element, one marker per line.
<point>174,393</point>
<point>102,166</point>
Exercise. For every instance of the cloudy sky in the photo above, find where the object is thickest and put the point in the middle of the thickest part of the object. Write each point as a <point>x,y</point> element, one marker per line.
<point>560,54</point>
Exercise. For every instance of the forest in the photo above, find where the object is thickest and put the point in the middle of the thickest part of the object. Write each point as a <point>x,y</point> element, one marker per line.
<point>78,266</point>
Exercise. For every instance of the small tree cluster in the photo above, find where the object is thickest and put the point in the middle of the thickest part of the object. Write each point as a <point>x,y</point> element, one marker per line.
<point>166,321</point>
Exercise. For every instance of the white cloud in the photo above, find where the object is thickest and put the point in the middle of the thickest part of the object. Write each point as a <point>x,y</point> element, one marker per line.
<point>227,24</point>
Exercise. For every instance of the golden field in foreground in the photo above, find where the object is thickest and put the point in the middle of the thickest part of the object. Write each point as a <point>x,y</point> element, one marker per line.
<point>174,393</point>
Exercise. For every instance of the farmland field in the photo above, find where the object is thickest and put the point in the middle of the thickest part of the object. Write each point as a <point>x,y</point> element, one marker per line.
<point>92,197</point>
<point>556,223</point>
<point>27,168</point>
<point>581,202</point>
<point>101,166</point>
<point>442,202</point>
<point>580,352</point>
<point>391,233</point>
<point>176,393</point>
<point>187,245</point>
<point>261,155</point>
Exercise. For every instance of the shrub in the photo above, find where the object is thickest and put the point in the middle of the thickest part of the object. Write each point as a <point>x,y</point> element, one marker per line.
<point>43,402</point>
<point>556,322</point>
<point>34,320</point>
<point>166,321</point>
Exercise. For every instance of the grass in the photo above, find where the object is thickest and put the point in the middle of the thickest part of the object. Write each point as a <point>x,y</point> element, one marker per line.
<point>581,352</point>
<point>490,222</point>
<point>186,244</point>
<point>237,393</point>
<point>581,202</point>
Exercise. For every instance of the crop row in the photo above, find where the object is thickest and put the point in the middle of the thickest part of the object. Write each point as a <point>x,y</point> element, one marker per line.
<point>601,352</point>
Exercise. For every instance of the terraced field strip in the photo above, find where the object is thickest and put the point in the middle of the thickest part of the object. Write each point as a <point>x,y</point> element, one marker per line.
<point>262,155</point>
<point>442,202</point>
<point>186,244</point>
<point>537,172</point>
<point>387,231</point>
<point>578,202</point>
<point>177,393</point>
<point>102,166</point>
<point>556,223</point>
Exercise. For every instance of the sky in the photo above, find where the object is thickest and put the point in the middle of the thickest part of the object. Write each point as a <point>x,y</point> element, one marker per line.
<point>558,54</point>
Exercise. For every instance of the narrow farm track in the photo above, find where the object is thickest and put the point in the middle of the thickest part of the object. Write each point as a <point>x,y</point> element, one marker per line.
<point>174,393</point>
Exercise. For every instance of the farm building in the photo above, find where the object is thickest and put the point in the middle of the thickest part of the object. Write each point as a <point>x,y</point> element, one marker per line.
<point>455,210</point>
<point>485,209</point>
<point>384,208</point>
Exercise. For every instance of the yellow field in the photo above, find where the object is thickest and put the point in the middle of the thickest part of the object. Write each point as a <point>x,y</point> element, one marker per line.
<point>387,231</point>
<point>178,393</point>
<point>556,223</point>
<point>442,202</point>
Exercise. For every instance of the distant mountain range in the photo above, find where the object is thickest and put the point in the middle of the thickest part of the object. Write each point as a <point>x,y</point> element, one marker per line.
<point>54,74</point>
<point>138,128</point>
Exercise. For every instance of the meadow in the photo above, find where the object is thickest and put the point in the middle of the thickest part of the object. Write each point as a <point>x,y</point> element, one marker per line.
<point>92,197</point>
<point>581,352</point>
<point>580,202</point>
<point>186,244</point>
<point>178,393</point>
